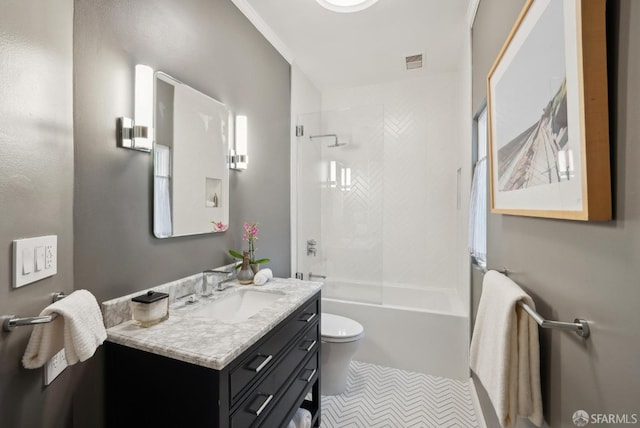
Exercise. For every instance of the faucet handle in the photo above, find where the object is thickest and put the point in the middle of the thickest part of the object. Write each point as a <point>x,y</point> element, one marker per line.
<point>188,298</point>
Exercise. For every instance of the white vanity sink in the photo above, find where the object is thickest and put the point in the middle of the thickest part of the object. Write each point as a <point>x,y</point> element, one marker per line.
<point>235,307</point>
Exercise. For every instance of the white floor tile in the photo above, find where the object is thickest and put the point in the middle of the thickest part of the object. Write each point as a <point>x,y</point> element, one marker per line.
<point>383,397</point>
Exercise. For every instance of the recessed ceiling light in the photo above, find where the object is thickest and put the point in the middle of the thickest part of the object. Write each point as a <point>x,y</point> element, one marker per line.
<point>346,6</point>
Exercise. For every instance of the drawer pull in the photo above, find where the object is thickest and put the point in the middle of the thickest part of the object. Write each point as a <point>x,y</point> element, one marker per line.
<point>309,318</point>
<point>264,404</point>
<point>262,364</point>
<point>310,347</point>
<point>308,378</point>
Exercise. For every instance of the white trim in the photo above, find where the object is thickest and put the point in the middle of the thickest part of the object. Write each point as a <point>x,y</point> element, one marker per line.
<point>263,28</point>
<point>472,10</point>
<point>293,173</point>
<point>305,99</point>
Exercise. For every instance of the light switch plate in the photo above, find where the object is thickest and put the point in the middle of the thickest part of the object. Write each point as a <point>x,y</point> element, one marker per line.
<point>30,253</point>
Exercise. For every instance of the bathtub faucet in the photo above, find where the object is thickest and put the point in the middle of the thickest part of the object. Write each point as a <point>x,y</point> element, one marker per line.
<point>313,275</point>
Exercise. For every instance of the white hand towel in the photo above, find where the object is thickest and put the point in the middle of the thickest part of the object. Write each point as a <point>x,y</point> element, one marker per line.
<point>262,276</point>
<point>505,352</point>
<point>302,419</point>
<point>78,328</point>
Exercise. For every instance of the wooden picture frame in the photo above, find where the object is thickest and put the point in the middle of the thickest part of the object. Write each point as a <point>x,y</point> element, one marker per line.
<point>548,114</point>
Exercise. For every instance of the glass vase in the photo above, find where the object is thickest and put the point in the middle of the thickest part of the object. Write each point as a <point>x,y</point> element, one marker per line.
<point>245,275</point>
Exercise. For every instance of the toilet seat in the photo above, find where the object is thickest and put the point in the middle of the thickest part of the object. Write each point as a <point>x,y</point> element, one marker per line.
<point>338,329</point>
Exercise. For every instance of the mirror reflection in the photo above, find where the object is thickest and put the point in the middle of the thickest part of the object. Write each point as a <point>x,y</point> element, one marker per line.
<point>191,172</point>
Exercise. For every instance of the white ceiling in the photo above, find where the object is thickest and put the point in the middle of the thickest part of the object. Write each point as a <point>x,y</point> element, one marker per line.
<point>337,50</point>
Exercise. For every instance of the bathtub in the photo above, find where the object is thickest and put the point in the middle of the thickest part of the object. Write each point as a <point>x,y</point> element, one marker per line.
<point>423,330</point>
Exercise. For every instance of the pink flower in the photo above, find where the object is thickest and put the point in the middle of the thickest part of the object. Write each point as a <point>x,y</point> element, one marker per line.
<point>250,231</point>
<point>251,235</point>
<point>219,226</point>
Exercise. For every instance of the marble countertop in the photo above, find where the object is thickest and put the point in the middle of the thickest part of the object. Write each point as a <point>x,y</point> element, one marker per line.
<point>201,341</point>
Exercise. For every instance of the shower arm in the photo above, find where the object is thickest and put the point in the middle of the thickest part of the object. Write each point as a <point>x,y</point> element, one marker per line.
<point>326,135</point>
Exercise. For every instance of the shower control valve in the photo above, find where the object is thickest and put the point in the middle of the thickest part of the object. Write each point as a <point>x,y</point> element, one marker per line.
<point>311,247</point>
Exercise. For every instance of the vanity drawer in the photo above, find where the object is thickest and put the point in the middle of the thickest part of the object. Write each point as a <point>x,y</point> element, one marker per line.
<point>304,379</point>
<point>267,400</point>
<point>262,358</point>
<point>307,344</point>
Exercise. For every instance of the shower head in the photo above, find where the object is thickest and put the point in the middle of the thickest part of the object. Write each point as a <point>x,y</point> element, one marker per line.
<point>334,136</point>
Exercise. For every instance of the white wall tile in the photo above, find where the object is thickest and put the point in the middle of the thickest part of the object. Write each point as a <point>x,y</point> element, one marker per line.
<point>418,177</point>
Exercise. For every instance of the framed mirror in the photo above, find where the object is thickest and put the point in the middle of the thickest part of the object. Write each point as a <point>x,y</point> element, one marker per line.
<point>191,171</point>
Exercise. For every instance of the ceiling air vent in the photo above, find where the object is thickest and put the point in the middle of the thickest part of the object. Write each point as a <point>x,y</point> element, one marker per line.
<point>414,61</point>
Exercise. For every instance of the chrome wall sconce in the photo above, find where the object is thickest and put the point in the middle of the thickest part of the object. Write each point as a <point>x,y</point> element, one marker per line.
<point>138,134</point>
<point>238,157</point>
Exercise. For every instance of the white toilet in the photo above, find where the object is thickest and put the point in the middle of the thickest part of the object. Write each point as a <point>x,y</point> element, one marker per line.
<point>340,340</point>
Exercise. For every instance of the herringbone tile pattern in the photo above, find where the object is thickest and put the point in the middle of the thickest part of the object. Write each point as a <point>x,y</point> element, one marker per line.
<point>383,397</point>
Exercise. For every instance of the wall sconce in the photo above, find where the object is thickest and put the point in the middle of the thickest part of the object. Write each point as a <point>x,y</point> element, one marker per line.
<point>239,159</point>
<point>138,135</point>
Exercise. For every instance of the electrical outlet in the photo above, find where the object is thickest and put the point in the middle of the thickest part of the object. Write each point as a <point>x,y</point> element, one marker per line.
<point>54,367</point>
<point>49,256</point>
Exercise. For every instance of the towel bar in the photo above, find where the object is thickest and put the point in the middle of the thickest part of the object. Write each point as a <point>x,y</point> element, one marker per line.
<point>580,326</point>
<point>10,322</point>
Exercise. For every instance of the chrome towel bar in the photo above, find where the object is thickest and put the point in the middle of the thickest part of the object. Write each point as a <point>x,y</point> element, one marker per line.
<point>10,322</point>
<point>580,326</point>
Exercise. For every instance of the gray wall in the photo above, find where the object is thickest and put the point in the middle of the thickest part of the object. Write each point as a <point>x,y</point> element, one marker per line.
<point>103,219</point>
<point>212,47</point>
<point>573,268</point>
<point>36,190</point>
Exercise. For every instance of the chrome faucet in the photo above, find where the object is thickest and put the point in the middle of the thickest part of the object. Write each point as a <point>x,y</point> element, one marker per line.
<point>220,279</point>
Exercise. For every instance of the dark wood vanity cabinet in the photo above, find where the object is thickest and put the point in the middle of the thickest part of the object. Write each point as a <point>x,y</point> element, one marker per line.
<point>263,387</point>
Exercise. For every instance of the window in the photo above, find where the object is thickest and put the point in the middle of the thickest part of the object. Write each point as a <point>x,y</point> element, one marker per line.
<point>478,203</point>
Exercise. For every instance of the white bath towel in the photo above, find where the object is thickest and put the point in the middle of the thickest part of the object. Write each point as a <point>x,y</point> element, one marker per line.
<point>302,419</point>
<point>263,276</point>
<point>505,352</point>
<point>77,327</point>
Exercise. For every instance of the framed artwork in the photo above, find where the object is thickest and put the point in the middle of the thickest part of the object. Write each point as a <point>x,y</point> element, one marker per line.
<point>548,114</point>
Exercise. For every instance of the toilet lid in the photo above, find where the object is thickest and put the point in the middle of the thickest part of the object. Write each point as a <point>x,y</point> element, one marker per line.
<point>340,329</point>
